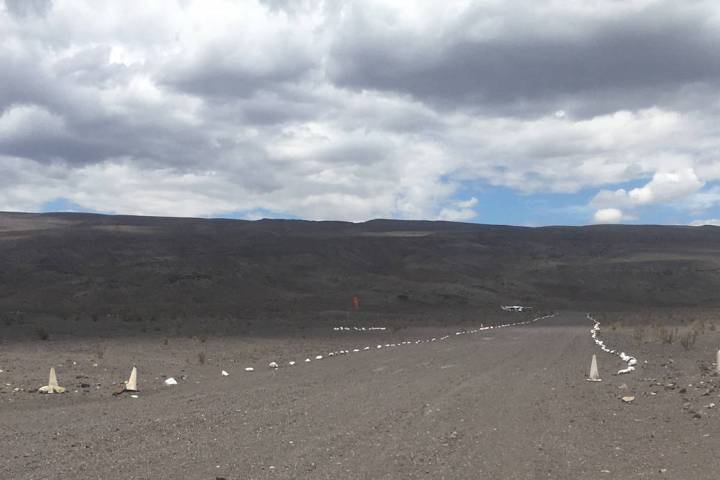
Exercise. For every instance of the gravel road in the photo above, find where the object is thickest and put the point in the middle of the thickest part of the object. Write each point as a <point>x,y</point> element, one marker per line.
<point>508,403</point>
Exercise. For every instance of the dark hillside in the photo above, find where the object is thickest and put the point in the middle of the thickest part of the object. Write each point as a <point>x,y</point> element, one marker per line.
<point>95,265</point>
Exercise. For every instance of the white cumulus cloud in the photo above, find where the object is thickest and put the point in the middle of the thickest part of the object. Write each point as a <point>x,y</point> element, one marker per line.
<point>357,109</point>
<point>608,215</point>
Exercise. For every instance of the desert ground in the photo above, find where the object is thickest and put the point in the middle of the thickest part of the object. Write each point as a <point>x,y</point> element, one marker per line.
<point>507,402</point>
<point>443,397</point>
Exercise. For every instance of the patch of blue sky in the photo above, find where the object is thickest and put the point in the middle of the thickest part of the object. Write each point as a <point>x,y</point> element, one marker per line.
<point>62,204</point>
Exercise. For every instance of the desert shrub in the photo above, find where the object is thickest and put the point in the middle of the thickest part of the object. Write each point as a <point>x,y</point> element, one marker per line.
<point>638,334</point>
<point>202,337</point>
<point>688,338</point>
<point>99,351</point>
<point>698,326</point>
<point>666,335</point>
<point>201,358</point>
<point>165,342</point>
<point>41,333</point>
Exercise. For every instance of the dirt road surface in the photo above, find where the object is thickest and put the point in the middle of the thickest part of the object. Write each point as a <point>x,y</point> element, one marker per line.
<point>508,403</point>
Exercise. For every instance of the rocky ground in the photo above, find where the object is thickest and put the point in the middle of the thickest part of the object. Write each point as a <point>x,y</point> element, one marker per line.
<point>502,403</point>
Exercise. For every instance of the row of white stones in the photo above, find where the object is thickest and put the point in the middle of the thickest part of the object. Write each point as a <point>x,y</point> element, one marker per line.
<point>404,343</point>
<point>628,359</point>
<point>359,329</point>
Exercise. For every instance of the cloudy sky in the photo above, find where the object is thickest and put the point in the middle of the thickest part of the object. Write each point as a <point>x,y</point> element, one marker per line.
<point>522,112</point>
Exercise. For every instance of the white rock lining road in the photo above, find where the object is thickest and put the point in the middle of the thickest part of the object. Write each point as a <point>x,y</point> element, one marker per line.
<point>628,359</point>
<point>275,365</point>
<point>359,329</point>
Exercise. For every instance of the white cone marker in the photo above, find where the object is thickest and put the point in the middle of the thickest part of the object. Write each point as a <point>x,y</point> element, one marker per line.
<point>52,386</point>
<point>594,375</point>
<point>131,384</point>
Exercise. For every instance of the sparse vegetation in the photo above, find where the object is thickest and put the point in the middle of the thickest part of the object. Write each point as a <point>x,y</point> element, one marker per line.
<point>638,334</point>
<point>666,335</point>
<point>688,338</point>
<point>666,326</point>
<point>201,358</point>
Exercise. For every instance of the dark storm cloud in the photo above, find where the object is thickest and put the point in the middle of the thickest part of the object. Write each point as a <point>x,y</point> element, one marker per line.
<point>90,66</point>
<point>230,73</point>
<point>216,79</point>
<point>25,8</point>
<point>21,82</point>
<point>87,132</point>
<point>263,109</point>
<point>639,56</point>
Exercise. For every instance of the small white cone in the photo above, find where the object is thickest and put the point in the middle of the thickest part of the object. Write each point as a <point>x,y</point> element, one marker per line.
<point>131,384</point>
<point>52,381</point>
<point>52,386</point>
<point>594,375</point>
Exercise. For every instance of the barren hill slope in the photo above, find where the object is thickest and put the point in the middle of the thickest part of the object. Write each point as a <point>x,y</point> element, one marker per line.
<point>99,265</point>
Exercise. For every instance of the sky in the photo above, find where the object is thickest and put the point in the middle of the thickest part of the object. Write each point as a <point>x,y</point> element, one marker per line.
<point>526,112</point>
